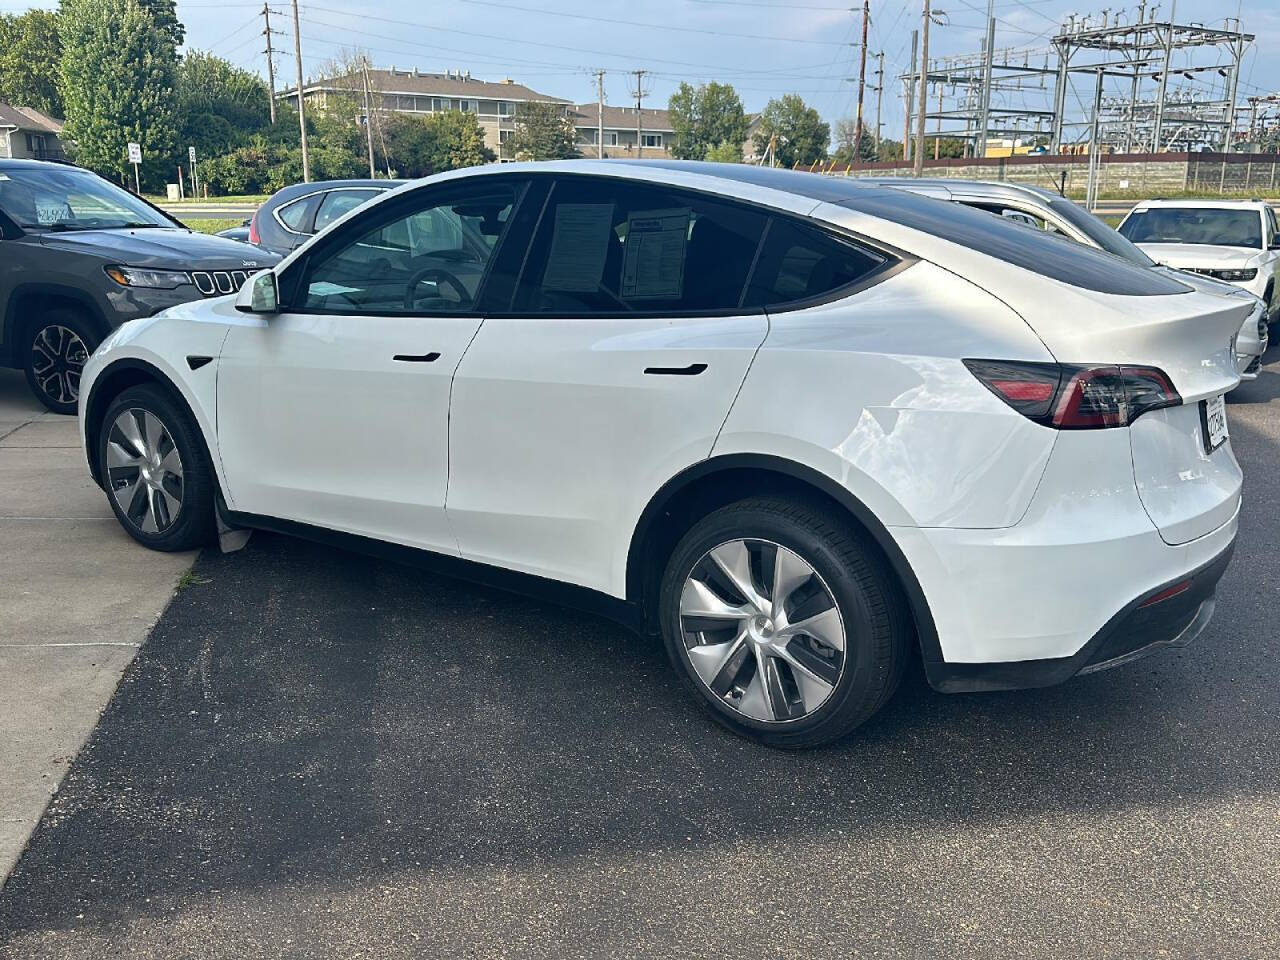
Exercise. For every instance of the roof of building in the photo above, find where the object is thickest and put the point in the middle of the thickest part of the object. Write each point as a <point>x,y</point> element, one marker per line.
<point>622,118</point>
<point>449,84</point>
<point>28,118</point>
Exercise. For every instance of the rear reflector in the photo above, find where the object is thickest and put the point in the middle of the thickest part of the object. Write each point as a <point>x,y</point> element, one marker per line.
<point>1166,594</point>
<point>254,238</point>
<point>1072,397</point>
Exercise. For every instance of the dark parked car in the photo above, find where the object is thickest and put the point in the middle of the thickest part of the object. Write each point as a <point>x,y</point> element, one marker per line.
<point>240,232</point>
<point>291,215</point>
<point>79,256</point>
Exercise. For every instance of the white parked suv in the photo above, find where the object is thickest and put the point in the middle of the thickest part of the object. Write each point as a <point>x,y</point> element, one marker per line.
<point>793,424</point>
<point>1233,240</point>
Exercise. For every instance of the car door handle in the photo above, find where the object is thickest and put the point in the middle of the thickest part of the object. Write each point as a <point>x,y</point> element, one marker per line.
<point>417,357</point>
<point>692,370</point>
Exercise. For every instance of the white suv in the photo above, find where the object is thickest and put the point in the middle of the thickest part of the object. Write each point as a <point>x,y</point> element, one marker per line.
<point>1233,240</point>
<point>793,424</point>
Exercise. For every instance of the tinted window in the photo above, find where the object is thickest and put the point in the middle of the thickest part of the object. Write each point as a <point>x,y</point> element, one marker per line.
<point>800,263</point>
<point>1038,252</point>
<point>70,199</point>
<point>339,202</point>
<point>1219,227</point>
<point>296,215</point>
<point>608,246</point>
<point>1098,231</point>
<point>429,260</point>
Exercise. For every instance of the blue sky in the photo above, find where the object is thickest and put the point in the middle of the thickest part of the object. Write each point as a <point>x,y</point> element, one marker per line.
<point>763,47</point>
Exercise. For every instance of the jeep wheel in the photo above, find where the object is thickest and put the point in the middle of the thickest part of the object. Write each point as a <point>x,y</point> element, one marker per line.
<point>54,352</point>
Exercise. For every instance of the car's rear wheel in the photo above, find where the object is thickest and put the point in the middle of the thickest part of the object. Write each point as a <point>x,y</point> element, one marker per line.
<point>783,621</point>
<point>55,349</point>
<point>153,466</point>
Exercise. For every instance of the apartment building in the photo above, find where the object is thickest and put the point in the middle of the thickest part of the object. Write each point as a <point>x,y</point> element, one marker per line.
<point>413,91</point>
<point>622,126</point>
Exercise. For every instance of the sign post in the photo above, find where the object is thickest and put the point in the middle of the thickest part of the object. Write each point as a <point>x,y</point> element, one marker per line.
<point>195,177</point>
<point>135,157</point>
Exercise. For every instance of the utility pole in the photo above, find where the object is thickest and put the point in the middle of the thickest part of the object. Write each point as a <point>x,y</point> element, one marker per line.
<point>368,118</point>
<point>879,96</point>
<point>937,141</point>
<point>271,66</point>
<point>639,75</point>
<point>1095,146</point>
<point>984,123</point>
<point>862,81</point>
<point>302,117</point>
<point>600,114</point>
<point>924,89</point>
<point>1157,134</point>
<point>910,91</point>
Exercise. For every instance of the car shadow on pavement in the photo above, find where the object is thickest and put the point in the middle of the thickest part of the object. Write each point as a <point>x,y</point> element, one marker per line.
<point>305,715</point>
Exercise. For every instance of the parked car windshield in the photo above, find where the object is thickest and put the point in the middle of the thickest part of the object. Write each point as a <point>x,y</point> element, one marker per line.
<point>1101,234</point>
<point>70,199</point>
<point>1207,225</point>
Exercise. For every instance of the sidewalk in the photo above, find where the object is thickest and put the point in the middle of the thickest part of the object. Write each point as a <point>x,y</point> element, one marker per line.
<point>77,597</point>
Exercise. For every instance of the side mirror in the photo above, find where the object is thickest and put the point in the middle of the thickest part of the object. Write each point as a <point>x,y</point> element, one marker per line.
<point>260,294</point>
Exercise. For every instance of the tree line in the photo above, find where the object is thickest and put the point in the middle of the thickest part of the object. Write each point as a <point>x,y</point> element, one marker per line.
<point>113,70</point>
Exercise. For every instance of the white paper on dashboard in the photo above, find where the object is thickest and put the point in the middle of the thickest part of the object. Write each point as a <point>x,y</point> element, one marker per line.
<point>653,264</point>
<point>579,247</point>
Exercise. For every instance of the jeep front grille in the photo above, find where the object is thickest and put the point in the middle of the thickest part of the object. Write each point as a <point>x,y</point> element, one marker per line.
<point>218,283</point>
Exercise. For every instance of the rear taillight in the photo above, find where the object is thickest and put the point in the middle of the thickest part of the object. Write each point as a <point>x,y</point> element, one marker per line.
<point>1072,397</point>
<point>253,229</point>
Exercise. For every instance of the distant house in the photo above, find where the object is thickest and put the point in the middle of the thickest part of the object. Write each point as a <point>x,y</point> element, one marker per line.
<point>412,91</point>
<point>28,133</point>
<point>749,152</point>
<point>621,127</point>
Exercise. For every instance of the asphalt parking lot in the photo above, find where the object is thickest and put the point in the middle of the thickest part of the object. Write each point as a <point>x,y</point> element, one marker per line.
<point>315,754</point>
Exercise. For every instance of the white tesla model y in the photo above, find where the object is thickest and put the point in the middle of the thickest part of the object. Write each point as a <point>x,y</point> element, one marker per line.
<point>793,424</point>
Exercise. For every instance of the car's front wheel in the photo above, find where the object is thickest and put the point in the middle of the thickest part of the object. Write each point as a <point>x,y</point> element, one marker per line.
<point>55,349</point>
<point>153,466</point>
<point>784,621</point>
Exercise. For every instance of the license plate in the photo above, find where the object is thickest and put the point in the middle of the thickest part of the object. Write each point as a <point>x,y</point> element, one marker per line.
<point>1213,417</point>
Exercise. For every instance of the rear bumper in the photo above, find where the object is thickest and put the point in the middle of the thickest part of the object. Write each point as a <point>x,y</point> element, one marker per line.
<point>1172,615</point>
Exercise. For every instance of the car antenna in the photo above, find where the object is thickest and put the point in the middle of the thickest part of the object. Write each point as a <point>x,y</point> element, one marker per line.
<point>1062,184</point>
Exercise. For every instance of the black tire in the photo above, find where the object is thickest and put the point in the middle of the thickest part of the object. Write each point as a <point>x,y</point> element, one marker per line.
<point>870,603</point>
<point>54,348</point>
<point>192,524</point>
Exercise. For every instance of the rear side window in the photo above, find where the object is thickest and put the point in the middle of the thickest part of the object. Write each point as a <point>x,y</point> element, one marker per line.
<point>338,202</point>
<point>296,215</point>
<point>613,247</point>
<point>799,263</point>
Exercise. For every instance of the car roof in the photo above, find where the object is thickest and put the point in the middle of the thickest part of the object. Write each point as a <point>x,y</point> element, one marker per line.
<point>995,189</point>
<point>294,190</point>
<point>16,163</point>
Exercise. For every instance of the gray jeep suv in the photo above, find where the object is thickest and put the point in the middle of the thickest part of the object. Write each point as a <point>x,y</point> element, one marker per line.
<point>80,256</point>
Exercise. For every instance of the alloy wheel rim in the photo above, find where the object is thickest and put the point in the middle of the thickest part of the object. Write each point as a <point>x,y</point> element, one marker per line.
<point>762,630</point>
<point>144,470</point>
<point>57,360</point>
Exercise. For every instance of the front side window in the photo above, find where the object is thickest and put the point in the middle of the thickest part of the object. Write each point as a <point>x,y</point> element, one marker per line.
<point>1202,225</point>
<point>430,260</point>
<point>336,203</point>
<point>615,247</point>
<point>70,199</point>
<point>799,262</point>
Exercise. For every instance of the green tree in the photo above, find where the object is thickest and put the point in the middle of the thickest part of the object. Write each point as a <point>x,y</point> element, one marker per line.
<point>220,106</point>
<point>164,13</point>
<point>724,153</point>
<point>705,117</point>
<point>801,135</point>
<point>29,54</point>
<point>421,146</point>
<point>543,132</point>
<point>117,81</point>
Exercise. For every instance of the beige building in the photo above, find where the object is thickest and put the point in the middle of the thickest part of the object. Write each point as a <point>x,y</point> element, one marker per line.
<point>413,91</point>
<point>621,125</point>
<point>28,133</point>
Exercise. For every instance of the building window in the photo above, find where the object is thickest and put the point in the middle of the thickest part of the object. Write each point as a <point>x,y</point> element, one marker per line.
<point>506,108</point>
<point>611,138</point>
<point>505,135</point>
<point>651,140</point>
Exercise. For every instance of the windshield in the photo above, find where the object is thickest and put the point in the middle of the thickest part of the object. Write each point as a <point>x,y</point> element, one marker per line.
<point>71,199</point>
<point>1097,231</point>
<point>1207,225</point>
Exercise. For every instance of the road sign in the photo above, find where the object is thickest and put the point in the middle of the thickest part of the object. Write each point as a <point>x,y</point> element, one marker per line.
<point>191,154</point>
<point>135,153</point>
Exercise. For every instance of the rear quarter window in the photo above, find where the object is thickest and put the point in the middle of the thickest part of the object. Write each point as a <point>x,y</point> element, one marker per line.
<point>1040,252</point>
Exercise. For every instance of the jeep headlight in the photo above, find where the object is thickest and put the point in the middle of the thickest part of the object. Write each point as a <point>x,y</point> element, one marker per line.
<point>146,277</point>
<point>1235,275</point>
